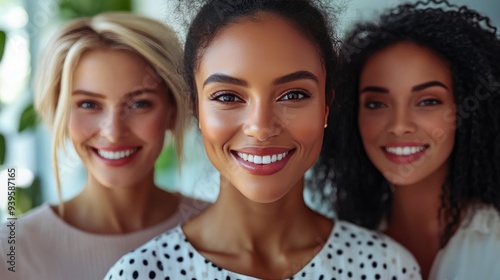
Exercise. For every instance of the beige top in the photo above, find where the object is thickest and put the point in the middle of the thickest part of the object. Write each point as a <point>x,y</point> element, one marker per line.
<point>48,248</point>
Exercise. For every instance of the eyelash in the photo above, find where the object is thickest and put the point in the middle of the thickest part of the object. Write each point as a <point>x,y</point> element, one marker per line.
<point>145,104</point>
<point>373,105</point>
<point>304,94</point>
<point>433,100</point>
<point>219,95</point>
<point>91,105</point>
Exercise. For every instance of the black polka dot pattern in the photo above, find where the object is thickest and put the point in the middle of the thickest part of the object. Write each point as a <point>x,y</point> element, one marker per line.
<point>351,252</point>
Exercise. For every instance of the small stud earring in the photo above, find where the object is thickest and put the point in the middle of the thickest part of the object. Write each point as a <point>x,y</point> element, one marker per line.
<point>326,125</point>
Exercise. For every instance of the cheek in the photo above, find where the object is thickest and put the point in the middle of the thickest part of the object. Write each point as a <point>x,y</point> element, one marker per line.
<point>369,127</point>
<point>217,126</point>
<point>80,127</point>
<point>152,128</point>
<point>309,128</point>
<point>442,133</point>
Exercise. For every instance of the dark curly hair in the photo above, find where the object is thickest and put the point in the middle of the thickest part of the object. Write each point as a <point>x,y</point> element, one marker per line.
<point>468,42</point>
<point>312,17</point>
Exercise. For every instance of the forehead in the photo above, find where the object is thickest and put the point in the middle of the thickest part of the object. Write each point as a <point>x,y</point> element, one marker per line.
<point>268,43</point>
<point>112,70</point>
<point>405,62</point>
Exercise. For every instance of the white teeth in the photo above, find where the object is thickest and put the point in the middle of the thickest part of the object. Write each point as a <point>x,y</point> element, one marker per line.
<point>404,151</point>
<point>266,159</point>
<point>116,155</point>
<point>262,159</point>
<point>257,159</point>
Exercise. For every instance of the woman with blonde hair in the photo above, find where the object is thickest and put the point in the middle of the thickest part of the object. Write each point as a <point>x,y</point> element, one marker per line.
<point>111,84</point>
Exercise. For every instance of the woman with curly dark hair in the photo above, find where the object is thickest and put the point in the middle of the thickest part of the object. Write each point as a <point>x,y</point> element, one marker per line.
<point>414,145</point>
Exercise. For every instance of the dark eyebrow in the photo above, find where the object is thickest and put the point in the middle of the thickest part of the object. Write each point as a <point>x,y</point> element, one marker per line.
<point>428,84</point>
<point>222,78</point>
<point>299,75</point>
<point>413,89</point>
<point>374,89</point>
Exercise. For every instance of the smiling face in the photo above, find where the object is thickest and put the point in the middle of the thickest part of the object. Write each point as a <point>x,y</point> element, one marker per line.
<point>406,113</point>
<point>261,106</point>
<point>118,117</point>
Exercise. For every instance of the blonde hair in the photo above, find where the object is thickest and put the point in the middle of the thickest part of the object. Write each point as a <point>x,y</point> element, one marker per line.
<point>155,42</point>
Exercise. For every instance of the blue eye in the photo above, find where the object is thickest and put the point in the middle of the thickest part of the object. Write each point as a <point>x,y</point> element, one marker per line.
<point>141,104</point>
<point>294,95</point>
<point>87,105</point>
<point>374,105</point>
<point>429,102</point>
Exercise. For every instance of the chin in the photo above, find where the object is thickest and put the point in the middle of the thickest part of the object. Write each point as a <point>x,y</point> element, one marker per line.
<point>264,197</point>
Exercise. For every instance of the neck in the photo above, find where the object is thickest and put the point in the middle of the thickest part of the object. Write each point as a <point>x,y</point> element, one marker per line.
<point>416,207</point>
<point>121,209</point>
<point>264,240</point>
<point>415,220</point>
<point>264,227</point>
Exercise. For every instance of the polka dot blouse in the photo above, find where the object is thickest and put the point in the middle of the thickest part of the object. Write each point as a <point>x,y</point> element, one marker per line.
<point>351,252</point>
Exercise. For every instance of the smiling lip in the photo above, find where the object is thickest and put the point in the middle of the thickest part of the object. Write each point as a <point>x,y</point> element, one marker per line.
<point>262,161</point>
<point>122,155</point>
<point>404,153</point>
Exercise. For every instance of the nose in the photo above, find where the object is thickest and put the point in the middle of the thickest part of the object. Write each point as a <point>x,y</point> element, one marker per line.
<point>262,123</point>
<point>114,125</point>
<point>401,122</point>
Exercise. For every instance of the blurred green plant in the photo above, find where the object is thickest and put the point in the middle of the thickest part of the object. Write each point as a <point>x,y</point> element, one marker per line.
<point>3,149</point>
<point>70,9</point>
<point>3,38</point>
<point>167,159</point>
<point>29,118</point>
<point>28,198</point>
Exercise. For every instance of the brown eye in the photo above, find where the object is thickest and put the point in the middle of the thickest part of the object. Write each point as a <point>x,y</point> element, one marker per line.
<point>429,102</point>
<point>294,95</point>
<point>226,98</point>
